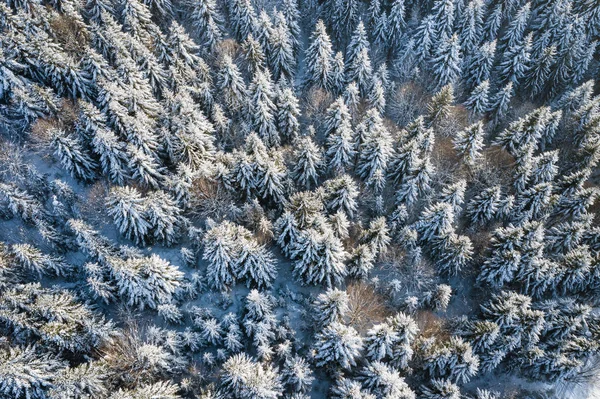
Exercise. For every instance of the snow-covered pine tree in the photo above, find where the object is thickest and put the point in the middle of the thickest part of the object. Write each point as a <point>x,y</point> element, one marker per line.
<point>221,253</point>
<point>242,18</point>
<point>281,47</point>
<point>331,306</point>
<point>340,149</point>
<point>439,106</point>
<point>337,75</point>
<point>319,58</point>
<point>377,97</point>
<point>263,29</point>
<point>484,206</point>
<point>341,194</point>
<point>113,157</point>
<point>292,18</point>
<point>231,84</point>
<point>128,210</point>
<point>243,378</point>
<point>28,372</point>
<point>330,268</point>
<point>470,26</point>
<point>515,62</point>
<point>493,22</point>
<point>254,54</point>
<point>337,345</point>
<point>447,61</point>
<point>478,101</point>
<point>435,222</point>
<point>337,115</point>
<point>479,65</point>
<point>297,374</point>
<point>343,15</point>
<point>454,194</point>
<point>375,146</point>
<point>416,183</point>
<point>516,28</point>
<point>455,252</point>
<point>207,22</point>
<point>163,214</point>
<point>444,14</point>
<point>33,260</point>
<point>255,264</point>
<point>308,164</point>
<point>396,23</point>
<point>539,73</point>
<point>362,260</point>
<point>288,113</point>
<point>377,236</point>
<point>383,380</point>
<point>145,168</point>
<point>73,157</point>
<point>262,110</point>
<point>469,143</point>
<point>438,299</point>
<point>146,282</point>
<point>381,31</point>
<point>361,72</point>
<point>441,389</point>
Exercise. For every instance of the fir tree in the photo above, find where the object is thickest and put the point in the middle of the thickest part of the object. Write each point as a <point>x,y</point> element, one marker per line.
<point>288,113</point>
<point>308,163</point>
<point>514,33</point>
<point>396,22</point>
<point>255,264</point>
<point>479,65</point>
<point>469,143</point>
<point>337,345</point>
<point>331,306</point>
<point>384,380</point>
<point>375,150</point>
<point>515,62</point>
<point>144,168</point>
<point>435,222</point>
<point>446,63</point>
<point>319,58</point>
<point>340,151</point>
<point>128,209</point>
<point>254,54</point>
<point>470,25</point>
<point>501,102</point>
<point>221,253</point>
<point>439,106</point>
<point>146,282</point>
<point>243,17</point>
<point>493,22</point>
<point>27,373</point>
<point>454,194</point>
<point>292,18</point>
<point>297,375</point>
<point>231,84</point>
<point>72,156</point>
<point>341,194</point>
<point>425,35</point>
<point>243,378</point>
<point>441,389</point>
<point>281,50</point>
<point>478,101</point>
<point>262,110</point>
<point>358,43</point>
<point>338,77</point>
<point>361,72</point>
